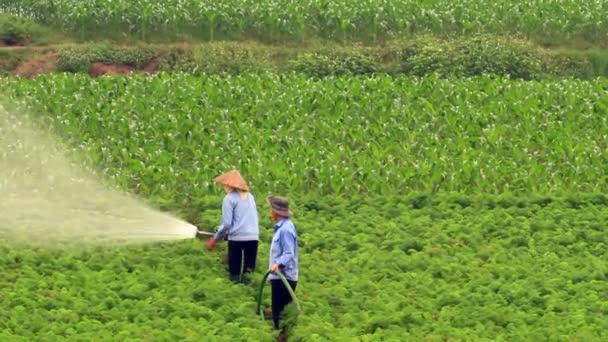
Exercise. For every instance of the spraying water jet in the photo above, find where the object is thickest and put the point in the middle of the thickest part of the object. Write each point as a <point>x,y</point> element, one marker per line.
<point>48,199</point>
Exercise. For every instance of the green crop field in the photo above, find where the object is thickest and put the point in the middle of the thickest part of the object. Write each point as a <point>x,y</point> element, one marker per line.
<point>429,209</point>
<point>342,20</point>
<point>373,268</point>
<point>446,161</point>
<point>347,134</point>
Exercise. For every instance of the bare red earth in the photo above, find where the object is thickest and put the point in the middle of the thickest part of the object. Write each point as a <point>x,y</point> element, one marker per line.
<point>36,66</point>
<point>98,69</point>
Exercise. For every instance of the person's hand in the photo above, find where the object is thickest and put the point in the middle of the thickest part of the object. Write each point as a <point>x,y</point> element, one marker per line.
<point>211,244</point>
<point>274,268</point>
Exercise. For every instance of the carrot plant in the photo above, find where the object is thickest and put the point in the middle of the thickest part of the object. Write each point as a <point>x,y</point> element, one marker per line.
<point>375,267</point>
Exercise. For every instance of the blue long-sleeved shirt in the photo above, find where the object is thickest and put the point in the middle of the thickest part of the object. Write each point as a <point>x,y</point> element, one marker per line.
<point>284,250</point>
<point>239,218</point>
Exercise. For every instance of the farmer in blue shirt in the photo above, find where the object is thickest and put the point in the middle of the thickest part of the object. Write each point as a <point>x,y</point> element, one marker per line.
<point>283,255</point>
<point>240,223</point>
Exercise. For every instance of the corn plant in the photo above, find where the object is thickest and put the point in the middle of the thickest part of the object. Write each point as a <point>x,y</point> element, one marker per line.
<point>340,20</point>
<point>349,134</point>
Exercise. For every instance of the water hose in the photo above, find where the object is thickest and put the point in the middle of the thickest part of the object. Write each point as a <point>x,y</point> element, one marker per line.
<point>287,286</point>
<point>201,235</point>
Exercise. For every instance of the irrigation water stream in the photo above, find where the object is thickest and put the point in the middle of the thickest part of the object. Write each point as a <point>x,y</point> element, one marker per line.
<point>47,199</point>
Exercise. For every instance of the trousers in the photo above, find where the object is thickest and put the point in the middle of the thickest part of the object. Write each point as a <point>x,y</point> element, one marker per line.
<point>239,253</point>
<point>280,298</point>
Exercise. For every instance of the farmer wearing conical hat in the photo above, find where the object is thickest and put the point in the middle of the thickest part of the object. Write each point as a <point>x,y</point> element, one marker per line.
<point>283,255</point>
<point>240,223</point>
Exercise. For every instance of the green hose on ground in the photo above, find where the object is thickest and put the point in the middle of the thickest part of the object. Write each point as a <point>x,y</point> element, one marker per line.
<point>287,286</point>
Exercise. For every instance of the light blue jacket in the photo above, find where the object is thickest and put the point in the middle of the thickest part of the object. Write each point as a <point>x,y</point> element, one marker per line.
<point>284,250</point>
<point>239,218</point>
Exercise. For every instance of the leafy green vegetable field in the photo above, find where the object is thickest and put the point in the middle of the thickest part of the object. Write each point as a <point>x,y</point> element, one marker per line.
<point>374,268</point>
<point>428,209</point>
<point>342,20</point>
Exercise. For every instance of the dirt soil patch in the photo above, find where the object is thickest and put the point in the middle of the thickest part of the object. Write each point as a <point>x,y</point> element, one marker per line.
<point>37,65</point>
<point>98,69</point>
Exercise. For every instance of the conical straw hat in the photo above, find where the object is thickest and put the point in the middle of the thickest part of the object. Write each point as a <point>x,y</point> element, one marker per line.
<point>233,179</point>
